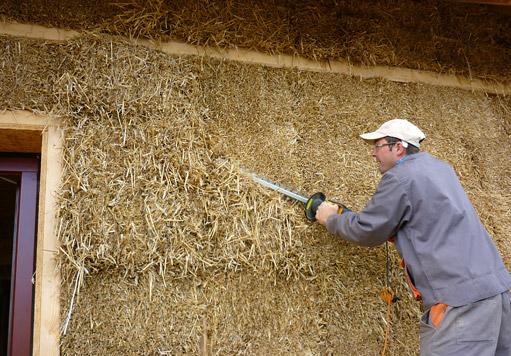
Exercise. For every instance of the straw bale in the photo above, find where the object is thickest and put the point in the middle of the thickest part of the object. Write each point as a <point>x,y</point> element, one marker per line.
<point>234,313</point>
<point>143,188</point>
<point>181,247</point>
<point>468,39</point>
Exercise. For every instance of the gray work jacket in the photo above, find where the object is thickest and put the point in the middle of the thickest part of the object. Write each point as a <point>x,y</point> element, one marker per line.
<point>448,252</point>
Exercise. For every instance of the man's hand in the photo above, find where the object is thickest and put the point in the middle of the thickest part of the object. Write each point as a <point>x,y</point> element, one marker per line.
<point>325,210</point>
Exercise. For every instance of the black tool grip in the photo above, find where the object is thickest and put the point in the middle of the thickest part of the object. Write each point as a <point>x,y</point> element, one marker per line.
<point>312,205</point>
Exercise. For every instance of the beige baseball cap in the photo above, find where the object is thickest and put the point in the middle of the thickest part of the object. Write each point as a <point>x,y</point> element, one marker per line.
<point>398,128</point>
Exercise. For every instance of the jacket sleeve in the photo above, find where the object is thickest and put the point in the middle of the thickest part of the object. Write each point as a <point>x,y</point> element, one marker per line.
<point>384,214</point>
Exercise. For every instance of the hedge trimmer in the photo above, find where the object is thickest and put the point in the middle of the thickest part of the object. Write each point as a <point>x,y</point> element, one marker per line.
<point>311,204</point>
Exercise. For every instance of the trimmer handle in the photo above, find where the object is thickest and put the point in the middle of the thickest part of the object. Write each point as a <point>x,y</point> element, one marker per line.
<point>312,205</point>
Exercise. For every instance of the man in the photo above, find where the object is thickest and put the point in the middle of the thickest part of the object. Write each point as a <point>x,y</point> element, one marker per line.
<point>450,259</point>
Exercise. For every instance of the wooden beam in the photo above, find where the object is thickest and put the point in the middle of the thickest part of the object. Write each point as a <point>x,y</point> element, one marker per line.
<point>395,74</point>
<point>47,291</point>
<point>37,31</point>
<point>25,120</point>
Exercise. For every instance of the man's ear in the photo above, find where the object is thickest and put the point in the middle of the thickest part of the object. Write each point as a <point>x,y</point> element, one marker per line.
<point>402,148</point>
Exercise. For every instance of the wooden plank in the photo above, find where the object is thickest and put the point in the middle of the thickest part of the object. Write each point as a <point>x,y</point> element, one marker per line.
<point>47,318</point>
<point>51,169</point>
<point>37,31</point>
<point>47,290</point>
<point>24,120</point>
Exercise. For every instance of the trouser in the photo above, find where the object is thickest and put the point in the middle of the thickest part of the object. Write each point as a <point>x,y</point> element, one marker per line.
<point>482,328</point>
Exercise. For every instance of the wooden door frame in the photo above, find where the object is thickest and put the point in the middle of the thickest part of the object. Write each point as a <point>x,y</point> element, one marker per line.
<point>28,130</point>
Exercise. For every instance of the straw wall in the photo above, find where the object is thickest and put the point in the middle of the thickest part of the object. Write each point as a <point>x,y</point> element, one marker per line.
<point>178,252</point>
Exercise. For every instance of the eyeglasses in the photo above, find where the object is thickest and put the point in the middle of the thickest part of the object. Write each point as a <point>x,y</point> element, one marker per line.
<point>376,147</point>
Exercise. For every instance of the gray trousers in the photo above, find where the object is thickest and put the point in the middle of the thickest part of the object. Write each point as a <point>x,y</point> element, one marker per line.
<point>482,328</point>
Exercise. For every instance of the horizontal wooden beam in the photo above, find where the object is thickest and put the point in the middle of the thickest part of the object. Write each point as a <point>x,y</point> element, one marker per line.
<point>25,120</point>
<point>395,74</point>
<point>36,31</point>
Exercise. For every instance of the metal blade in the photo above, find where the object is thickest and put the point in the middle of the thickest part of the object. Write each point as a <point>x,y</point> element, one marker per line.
<point>288,193</point>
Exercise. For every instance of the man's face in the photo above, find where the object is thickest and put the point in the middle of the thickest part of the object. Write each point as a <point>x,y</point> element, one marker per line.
<point>384,156</point>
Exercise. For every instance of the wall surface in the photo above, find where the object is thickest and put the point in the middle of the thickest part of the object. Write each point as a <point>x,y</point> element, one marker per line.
<point>162,229</point>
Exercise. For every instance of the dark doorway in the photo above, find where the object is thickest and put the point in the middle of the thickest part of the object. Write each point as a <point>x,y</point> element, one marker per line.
<point>8,198</point>
<point>19,183</point>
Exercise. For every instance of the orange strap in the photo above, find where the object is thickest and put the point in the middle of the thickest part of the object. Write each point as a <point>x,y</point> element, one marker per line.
<point>416,294</point>
<point>387,329</point>
<point>437,314</point>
